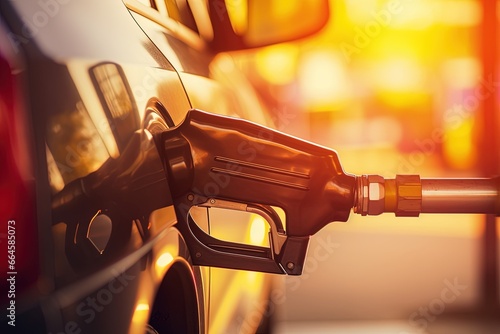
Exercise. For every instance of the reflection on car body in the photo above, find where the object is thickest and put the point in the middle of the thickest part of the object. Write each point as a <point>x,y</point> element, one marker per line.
<point>88,84</point>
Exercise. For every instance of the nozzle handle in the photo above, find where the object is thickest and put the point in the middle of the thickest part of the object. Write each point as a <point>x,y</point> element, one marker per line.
<point>210,156</point>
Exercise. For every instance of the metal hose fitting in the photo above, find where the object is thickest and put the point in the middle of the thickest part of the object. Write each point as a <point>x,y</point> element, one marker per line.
<point>402,195</point>
<point>409,195</point>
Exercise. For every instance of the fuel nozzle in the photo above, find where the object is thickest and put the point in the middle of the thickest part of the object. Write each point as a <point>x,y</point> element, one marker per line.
<point>410,195</point>
<point>218,162</point>
<point>214,161</point>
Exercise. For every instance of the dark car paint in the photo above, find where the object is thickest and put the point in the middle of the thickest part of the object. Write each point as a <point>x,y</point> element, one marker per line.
<point>66,292</point>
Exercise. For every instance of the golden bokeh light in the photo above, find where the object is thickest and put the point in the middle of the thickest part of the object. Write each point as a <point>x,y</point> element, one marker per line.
<point>277,64</point>
<point>257,230</point>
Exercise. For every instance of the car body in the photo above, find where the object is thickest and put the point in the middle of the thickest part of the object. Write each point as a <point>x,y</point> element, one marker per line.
<point>83,83</point>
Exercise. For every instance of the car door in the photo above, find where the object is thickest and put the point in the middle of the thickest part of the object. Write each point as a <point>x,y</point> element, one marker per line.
<point>94,83</point>
<point>213,84</point>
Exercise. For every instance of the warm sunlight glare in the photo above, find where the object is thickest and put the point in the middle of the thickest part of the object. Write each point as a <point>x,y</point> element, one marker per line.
<point>257,230</point>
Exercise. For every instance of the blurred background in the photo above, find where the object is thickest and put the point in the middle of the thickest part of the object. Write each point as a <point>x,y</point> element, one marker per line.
<point>396,87</point>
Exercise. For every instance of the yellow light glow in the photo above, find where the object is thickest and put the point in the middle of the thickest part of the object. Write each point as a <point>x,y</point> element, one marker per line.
<point>252,277</point>
<point>417,15</point>
<point>258,230</point>
<point>202,18</point>
<point>141,313</point>
<point>459,13</point>
<point>400,82</point>
<point>237,298</point>
<point>142,307</point>
<point>401,75</point>
<point>228,305</point>
<point>421,14</point>
<point>163,261</point>
<point>284,9</point>
<point>277,64</point>
<point>400,100</point>
<point>323,81</point>
<point>359,11</point>
<point>461,73</point>
<point>238,14</point>
<point>458,148</point>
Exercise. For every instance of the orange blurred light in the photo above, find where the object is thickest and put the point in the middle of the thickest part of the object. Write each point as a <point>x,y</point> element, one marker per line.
<point>284,9</point>
<point>277,64</point>
<point>323,81</point>
<point>461,73</point>
<point>399,75</point>
<point>237,298</point>
<point>238,14</point>
<point>164,260</point>
<point>141,313</point>
<point>257,230</point>
<point>400,82</point>
<point>416,15</point>
<point>458,148</point>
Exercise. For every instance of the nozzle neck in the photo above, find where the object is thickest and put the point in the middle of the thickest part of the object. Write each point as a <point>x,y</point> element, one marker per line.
<point>408,195</point>
<point>376,195</point>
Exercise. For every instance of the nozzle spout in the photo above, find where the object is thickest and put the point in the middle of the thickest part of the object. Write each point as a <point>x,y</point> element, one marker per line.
<point>410,195</point>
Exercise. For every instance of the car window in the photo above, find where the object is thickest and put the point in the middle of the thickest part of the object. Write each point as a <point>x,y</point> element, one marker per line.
<point>180,45</point>
<point>180,11</point>
<point>177,10</point>
<point>75,146</point>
